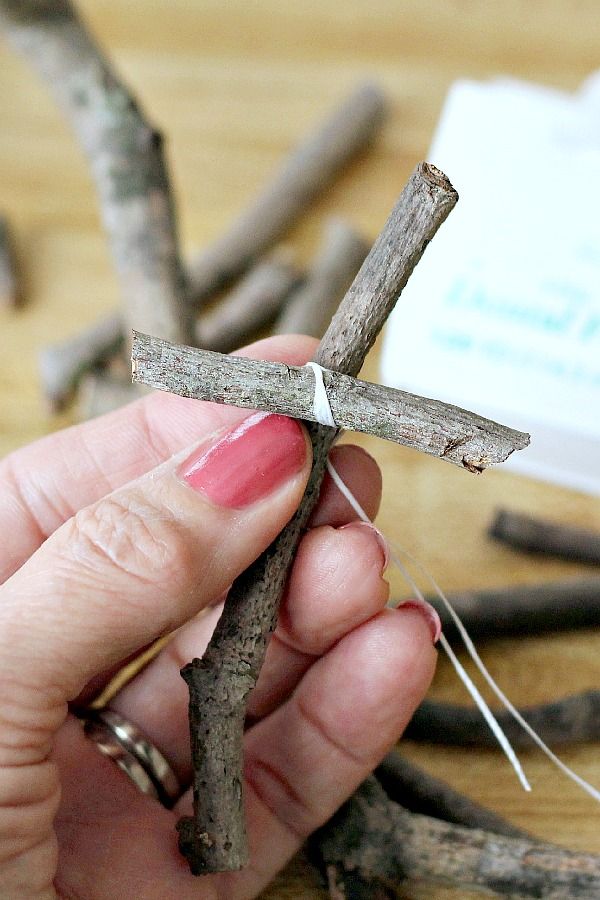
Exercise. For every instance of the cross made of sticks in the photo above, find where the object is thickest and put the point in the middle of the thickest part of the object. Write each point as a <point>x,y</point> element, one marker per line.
<point>214,839</point>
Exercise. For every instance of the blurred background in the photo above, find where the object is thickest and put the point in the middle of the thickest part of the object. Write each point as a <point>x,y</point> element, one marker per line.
<point>233,86</point>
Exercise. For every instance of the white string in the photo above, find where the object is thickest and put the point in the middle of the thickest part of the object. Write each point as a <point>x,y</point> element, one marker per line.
<point>323,415</point>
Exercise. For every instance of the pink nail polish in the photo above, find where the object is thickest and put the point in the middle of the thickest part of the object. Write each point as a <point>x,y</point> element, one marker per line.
<point>381,540</point>
<point>249,462</point>
<point>429,613</point>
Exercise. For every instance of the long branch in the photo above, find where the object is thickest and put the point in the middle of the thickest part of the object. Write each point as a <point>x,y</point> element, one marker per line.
<point>307,172</point>
<point>125,155</point>
<point>372,846</point>
<point>214,839</point>
<point>445,431</point>
<point>570,720</point>
<point>535,535</point>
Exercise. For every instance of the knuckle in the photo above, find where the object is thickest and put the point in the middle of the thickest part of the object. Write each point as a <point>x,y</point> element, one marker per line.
<point>129,534</point>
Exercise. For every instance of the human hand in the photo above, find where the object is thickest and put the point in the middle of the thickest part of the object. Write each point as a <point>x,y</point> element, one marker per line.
<point>106,547</point>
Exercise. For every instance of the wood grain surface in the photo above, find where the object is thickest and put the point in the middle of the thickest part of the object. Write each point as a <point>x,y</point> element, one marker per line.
<point>234,85</point>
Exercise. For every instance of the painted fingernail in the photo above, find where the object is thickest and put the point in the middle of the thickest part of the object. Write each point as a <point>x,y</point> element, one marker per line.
<point>381,540</point>
<point>249,462</point>
<point>429,614</point>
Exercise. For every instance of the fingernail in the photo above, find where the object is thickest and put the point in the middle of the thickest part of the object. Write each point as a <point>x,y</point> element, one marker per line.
<point>249,462</point>
<point>381,540</point>
<point>429,613</point>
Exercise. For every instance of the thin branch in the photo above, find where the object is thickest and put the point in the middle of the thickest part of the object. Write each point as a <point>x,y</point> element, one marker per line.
<point>305,174</point>
<point>445,431</point>
<point>214,839</point>
<point>10,294</point>
<point>535,535</point>
<point>373,846</point>
<point>311,306</point>
<point>525,608</point>
<point>571,720</point>
<point>125,155</point>
<point>251,305</point>
<point>103,392</point>
<point>418,791</point>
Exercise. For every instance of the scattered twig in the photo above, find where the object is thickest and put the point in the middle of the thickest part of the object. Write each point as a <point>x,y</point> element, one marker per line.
<point>10,295</point>
<point>445,431</point>
<point>418,791</point>
<point>251,305</point>
<point>541,536</point>
<point>372,847</point>
<point>102,392</point>
<point>125,155</point>
<point>214,839</point>
<point>305,174</point>
<point>311,306</point>
<point>62,365</point>
<point>525,608</point>
<point>571,720</point>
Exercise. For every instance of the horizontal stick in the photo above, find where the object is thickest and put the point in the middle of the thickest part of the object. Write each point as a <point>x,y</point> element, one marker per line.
<point>571,720</point>
<point>525,532</point>
<point>418,791</point>
<point>311,306</point>
<point>374,845</point>
<point>524,608</point>
<point>10,294</point>
<point>445,431</point>
<point>251,305</point>
<point>307,172</point>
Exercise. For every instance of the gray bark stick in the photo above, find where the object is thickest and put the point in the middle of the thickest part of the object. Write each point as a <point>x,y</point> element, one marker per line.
<point>439,429</point>
<point>214,838</point>
<point>570,720</point>
<point>10,294</point>
<point>418,791</point>
<point>125,156</point>
<point>305,174</point>
<point>534,535</point>
<point>251,305</point>
<point>103,392</point>
<point>311,306</point>
<point>372,847</point>
<point>524,608</point>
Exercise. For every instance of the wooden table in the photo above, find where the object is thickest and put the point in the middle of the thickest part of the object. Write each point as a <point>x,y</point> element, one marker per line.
<point>234,85</point>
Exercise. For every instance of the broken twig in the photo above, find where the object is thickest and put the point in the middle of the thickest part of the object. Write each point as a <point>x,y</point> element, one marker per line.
<point>305,174</point>
<point>439,429</point>
<point>214,839</point>
<point>372,846</point>
<point>571,720</point>
<point>251,305</point>
<point>524,609</point>
<point>125,155</point>
<point>311,306</point>
<point>10,295</point>
<point>535,535</point>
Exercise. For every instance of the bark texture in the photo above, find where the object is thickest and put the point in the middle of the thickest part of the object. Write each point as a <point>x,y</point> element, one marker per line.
<point>307,172</point>
<point>126,158</point>
<point>445,431</point>
<point>214,838</point>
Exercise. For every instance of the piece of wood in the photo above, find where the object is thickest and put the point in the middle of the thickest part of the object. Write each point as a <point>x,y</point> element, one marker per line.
<point>570,720</point>
<point>452,434</point>
<point>10,294</point>
<point>310,308</point>
<point>62,365</point>
<point>214,838</point>
<point>418,791</point>
<point>102,392</point>
<point>524,608</point>
<point>535,535</point>
<point>373,844</point>
<point>250,306</point>
<point>126,160</point>
<point>305,174</point>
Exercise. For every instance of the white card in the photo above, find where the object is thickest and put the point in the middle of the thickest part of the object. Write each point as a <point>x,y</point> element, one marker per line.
<point>502,315</point>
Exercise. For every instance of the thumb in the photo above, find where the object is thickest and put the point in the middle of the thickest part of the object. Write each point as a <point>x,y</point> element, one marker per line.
<point>146,558</point>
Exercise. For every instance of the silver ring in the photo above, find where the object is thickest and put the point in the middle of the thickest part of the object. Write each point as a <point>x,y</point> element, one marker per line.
<point>135,755</point>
